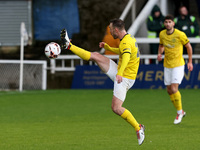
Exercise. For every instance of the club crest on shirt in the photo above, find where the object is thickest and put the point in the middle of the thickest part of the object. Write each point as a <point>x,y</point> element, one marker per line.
<point>174,40</point>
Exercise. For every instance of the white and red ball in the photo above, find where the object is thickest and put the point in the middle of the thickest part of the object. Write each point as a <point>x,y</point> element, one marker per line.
<point>52,50</point>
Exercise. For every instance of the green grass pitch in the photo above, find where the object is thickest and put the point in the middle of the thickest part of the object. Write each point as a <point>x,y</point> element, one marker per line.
<point>83,120</point>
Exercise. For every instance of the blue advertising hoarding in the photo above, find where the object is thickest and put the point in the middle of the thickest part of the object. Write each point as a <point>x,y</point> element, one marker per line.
<point>149,77</point>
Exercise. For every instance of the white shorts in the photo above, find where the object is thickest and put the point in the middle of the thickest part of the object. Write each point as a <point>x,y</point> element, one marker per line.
<point>120,89</point>
<point>173,75</point>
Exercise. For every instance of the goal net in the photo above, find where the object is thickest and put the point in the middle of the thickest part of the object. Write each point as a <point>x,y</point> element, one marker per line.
<point>34,75</point>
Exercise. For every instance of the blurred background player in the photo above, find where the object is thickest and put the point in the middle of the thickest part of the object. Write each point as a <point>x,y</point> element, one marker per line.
<point>108,38</point>
<point>123,74</point>
<point>188,24</point>
<point>154,26</point>
<point>172,41</point>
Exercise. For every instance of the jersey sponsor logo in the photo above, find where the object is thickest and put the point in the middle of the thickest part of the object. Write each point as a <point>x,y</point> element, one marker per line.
<point>169,46</point>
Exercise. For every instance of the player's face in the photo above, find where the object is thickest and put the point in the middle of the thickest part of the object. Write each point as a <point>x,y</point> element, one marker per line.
<point>169,24</point>
<point>113,31</point>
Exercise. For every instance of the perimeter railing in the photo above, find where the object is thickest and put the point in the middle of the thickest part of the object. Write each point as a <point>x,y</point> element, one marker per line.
<point>69,62</point>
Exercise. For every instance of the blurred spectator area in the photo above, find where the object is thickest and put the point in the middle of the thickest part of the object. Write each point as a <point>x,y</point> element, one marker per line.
<point>142,32</point>
<point>85,20</point>
<point>194,11</point>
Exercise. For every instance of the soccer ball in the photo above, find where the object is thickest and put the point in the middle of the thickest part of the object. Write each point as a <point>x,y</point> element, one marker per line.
<point>52,50</point>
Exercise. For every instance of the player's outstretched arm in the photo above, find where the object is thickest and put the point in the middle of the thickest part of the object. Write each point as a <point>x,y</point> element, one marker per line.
<point>160,51</point>
<point>189,51</point>
<point>107,47</point>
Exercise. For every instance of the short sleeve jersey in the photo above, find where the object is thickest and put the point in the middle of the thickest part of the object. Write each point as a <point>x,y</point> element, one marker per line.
<point>129,45</point>
<point>173,47</point>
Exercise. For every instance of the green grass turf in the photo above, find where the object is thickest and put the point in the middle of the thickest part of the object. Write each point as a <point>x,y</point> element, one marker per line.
<point>83,120</point>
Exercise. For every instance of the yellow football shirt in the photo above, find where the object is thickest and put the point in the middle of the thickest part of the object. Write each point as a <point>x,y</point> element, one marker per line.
<point>173,47</point>
<point>128,45</point>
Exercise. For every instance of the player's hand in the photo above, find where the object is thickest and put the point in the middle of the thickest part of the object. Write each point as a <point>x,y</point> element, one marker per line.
<point>159,57</point>
<point>190,66</point>
<point>118,78</point>
<point>101,44</point>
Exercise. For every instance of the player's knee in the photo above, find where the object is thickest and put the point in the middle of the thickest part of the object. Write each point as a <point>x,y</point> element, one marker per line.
<point>116,109</point>
<point>94,56</point>
<point>169,91</point>
<point>174,89</point>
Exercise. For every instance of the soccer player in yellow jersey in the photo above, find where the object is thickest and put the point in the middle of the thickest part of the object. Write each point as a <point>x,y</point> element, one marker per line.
<point>123,74</point>
<point>171,42</point>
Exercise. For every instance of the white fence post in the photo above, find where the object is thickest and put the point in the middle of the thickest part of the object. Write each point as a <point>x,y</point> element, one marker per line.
<point>24,37</point>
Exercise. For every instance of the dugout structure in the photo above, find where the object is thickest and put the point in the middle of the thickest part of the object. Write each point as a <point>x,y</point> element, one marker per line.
<point>34,75</point>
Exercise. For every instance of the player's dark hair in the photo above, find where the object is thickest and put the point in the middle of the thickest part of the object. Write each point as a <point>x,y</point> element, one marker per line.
<point>118,23</point>
<point>169,17</point>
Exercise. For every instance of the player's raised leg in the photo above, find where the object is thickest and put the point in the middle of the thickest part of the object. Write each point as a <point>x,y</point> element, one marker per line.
<point>66,44</point>
<point>102,61</point>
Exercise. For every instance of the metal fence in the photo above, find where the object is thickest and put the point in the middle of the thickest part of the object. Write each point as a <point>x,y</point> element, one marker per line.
<point>69,62</point>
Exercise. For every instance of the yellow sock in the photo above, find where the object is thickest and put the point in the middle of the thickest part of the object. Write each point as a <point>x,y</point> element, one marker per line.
<point>172,98</point>
<point>130,119</point>
<point>177,100</point>
<point>85,55</point>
